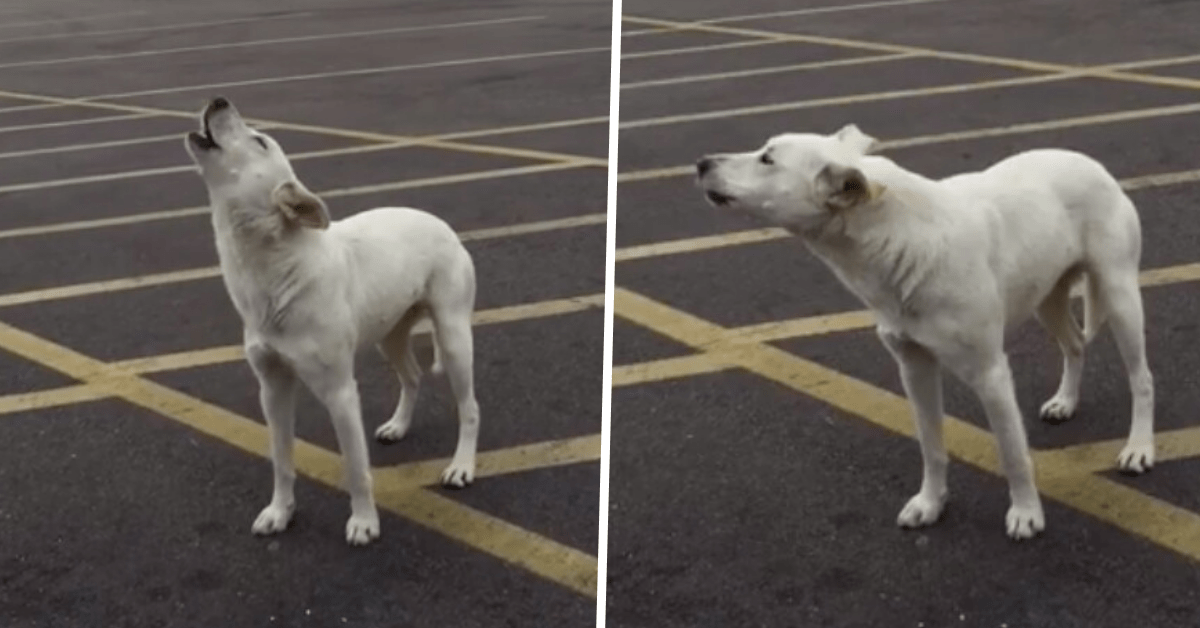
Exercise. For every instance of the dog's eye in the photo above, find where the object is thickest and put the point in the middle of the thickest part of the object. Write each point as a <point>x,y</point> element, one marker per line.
<point>765,159</point>
<point>261,141</point>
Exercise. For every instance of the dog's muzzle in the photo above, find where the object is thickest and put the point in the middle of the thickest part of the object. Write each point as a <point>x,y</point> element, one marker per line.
<point>204,139</point>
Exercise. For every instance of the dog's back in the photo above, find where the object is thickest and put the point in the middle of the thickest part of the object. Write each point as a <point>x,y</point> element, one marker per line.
<point>398,257</point>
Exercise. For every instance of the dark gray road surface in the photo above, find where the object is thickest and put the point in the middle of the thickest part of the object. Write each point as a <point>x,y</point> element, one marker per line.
<point>737,501</point>
<point>113,515</point>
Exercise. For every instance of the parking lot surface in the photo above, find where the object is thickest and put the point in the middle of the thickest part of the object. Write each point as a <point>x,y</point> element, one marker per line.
<point>761,445</point>
<point>133,456</point>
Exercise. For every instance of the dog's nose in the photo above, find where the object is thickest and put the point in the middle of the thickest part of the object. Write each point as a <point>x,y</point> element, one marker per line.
<point>704,165</point>
<point>219,103</point>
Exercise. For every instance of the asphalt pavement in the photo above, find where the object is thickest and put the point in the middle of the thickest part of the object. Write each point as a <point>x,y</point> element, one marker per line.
<point>761,446</point>
<point>133,459</point>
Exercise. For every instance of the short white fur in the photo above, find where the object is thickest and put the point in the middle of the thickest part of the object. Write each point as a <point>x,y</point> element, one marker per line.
<point>312,292</point>
<point>948,266</point>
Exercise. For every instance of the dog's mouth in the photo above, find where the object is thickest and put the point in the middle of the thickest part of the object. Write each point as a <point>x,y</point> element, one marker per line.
<point>204,139</point>
<point>718,198</point>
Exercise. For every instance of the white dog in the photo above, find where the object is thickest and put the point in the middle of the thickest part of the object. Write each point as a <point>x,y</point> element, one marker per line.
<point>311,293</point>
<point>947,266</point>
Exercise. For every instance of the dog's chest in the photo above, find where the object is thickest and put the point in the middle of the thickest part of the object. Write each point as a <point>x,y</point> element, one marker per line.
<point>262,293</point>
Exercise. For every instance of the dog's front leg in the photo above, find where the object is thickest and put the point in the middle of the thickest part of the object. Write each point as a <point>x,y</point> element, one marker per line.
<point>989,375</point>
<point>336,388</point>
<point>277,395</point>
<point>921,375</point>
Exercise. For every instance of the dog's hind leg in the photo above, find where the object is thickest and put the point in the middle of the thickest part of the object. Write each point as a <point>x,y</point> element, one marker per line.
<point>397,348</point>
<point>451,308</point>
<point>1055,314</point>
<point>437,368</point>
<point>1122,298</point>
<point>277,394</point>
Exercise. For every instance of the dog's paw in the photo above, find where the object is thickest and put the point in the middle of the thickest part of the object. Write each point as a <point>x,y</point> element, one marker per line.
<point>1058,409</point>
<point>361,530</point>
<point>273,519</point>
<point>1136,458</point>
<point>391,431</point>
<point>921,511</point>
<point>459,474</point>
<point>1024,522</point>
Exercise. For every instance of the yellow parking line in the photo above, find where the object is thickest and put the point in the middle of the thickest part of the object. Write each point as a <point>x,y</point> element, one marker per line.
<point>1159,180</point>
<point>233,353</point>
<point>77,34</point>
<point>670,368</point>
<point>1108,72</point>
<point>1125,508</point>
<point>672,52</point>
<point>182,360</point>
<point>65,123</point>
<point>210,272</point>
<point>130,110</point>
<point>100,223</point>
<point>138,54</point>
<point>541,226</point>
<point>544,557</point>
<point>1041,126</point>
<point>135,141</point>
<point>831,41</point>
<point>316,154</point>
<point>559,563</point>
<point>556,160</point>
<point>243,433</point>
<point>763,71</point>
<point>819,325</point>
<point>837,8</point>
<point>112,285</point>
<point>452,179</point>
<point>756,236</point>
<point>188,212</point>
<point>523,128</point>
<point>692,245</point>
<point>54,397</point>
<point>495,462</point>
<point>1112,117</point>
<point>803,327</point>
<point>898,94</point>
<point>1097,456</point>
<point>59,21</point>
<point>966,441</point>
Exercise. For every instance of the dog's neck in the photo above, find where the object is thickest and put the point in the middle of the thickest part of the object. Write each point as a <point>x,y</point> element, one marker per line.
<point>261,258</point>
<point>882,249</point>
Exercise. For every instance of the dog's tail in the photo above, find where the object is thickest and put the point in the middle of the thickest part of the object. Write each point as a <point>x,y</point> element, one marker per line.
<point>1094,314</point>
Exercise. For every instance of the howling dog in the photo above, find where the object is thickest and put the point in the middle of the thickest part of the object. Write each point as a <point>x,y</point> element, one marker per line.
<point>947,266</point>
<point>312,292</point>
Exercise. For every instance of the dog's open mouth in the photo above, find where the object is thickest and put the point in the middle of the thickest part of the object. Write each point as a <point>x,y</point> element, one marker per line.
<point>204,139</point>
<point>717,198</point>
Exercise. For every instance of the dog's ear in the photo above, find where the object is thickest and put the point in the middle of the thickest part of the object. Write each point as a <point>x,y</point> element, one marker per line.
<point>844,187</point>
<point>300,206</point>
<point>859,142</point>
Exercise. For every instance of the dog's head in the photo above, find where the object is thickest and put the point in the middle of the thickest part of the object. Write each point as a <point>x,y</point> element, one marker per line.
<point>245,167</point>
<point>797,180</point>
